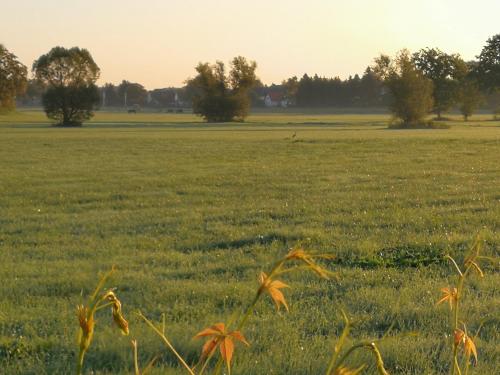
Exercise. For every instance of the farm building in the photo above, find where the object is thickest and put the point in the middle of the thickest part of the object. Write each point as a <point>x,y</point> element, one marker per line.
<point>275,99</point>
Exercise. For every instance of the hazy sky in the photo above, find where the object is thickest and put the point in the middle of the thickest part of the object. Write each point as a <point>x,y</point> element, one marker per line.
<point>158,42</point>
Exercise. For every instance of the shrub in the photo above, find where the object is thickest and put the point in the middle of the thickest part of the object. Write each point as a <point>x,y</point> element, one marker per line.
<point>219,97</point>
<point>411,91</point>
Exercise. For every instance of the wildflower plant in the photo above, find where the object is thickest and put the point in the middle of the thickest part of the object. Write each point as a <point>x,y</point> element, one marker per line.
<point>222,337</point>
<point>297,259</point>
<point>86,317</point>
<point>461,339</point>
<point>340,355</point>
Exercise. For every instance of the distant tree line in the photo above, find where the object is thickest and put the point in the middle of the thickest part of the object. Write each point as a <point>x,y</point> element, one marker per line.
<point>315,91</point>
<point>431,81</point>
<point>130,94</point>
<point>411,85</point>
<point>126,94</point>
<point>453,82</point>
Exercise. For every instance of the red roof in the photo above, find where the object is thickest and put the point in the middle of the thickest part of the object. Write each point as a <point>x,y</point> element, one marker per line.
<point>276,96</point>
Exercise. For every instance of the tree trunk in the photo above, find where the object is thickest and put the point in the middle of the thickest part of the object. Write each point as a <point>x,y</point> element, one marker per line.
<point>65,116</point>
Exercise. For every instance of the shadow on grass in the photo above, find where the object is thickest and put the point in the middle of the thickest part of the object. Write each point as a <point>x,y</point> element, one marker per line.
<point>268,239</point>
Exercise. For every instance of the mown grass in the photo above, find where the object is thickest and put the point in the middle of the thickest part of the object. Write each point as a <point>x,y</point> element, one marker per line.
<point>191,213</point>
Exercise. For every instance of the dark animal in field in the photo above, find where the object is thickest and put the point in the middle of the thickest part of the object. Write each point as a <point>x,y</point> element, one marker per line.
<point>132,111</point>
<point>180,110</point>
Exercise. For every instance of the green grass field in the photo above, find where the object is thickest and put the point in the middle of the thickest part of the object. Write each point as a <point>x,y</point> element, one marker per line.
<point>190,213</point>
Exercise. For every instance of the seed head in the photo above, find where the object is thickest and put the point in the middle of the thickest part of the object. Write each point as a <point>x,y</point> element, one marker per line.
<point>118,317</point>
<point>302,256</point>
<point>87,324</point>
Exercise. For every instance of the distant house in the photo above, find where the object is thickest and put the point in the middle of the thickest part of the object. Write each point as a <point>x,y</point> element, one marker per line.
<point>275,99</point>
<point>149,98</point>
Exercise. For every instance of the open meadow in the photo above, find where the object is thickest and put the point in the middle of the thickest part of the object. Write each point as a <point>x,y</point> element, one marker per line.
<point>190,213</point>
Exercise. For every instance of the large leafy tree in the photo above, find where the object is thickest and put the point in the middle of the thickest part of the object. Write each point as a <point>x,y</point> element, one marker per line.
<point>222,97</point>
<point>488,67</point>
<point>132,94</point>
<point>411,91</point>
<point>70,76</point>
<point>445,72</point>
<point>488,70</point>
<point>470,96</point>
<point>13,79</point>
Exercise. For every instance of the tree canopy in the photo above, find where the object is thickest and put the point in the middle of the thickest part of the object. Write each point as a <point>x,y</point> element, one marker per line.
<point>63,67</point>
<point>222,97</point>
<point>131,93</point>
<point>70,76</point>
<point>488,67</point>
<point>13,79</point>
<point>411,91</point>
<point>444,71</point>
